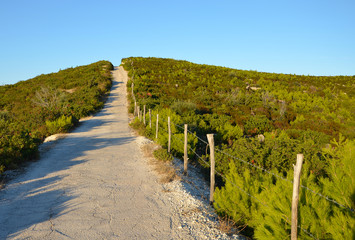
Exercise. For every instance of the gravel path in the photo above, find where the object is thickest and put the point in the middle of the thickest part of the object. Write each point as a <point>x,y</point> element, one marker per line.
<point>96,184</point>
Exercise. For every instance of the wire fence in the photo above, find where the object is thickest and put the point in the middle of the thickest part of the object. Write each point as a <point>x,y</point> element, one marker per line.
<point>253,166</point>
<point>232,183</point>
<point>271,173</point>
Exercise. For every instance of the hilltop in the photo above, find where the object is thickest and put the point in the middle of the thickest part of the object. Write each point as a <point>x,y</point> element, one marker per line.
<point>260,122</point>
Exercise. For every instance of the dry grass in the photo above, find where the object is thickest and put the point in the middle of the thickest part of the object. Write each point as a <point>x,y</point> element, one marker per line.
<point>230,227</point>
<point>165,170</point>
<point>227,225</point>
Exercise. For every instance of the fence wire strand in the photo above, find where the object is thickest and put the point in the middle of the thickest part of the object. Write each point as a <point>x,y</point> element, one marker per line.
<point>276,175</point>
<point>192,134</point>
<point>240,189</point>
<point>259,168</point>
<point>207,163</point>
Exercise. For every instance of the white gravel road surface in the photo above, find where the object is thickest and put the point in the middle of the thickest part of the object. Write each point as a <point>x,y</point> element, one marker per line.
<point>96,184</point>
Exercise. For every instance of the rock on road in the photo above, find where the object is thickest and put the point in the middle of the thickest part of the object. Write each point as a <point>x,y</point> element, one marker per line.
<point>93,184</point>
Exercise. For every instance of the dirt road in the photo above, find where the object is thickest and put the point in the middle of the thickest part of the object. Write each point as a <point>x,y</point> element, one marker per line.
<point>93,184</point>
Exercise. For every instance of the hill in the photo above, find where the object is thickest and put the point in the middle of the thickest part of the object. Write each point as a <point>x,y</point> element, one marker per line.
<point>261,122</point>
<point>47,104</point>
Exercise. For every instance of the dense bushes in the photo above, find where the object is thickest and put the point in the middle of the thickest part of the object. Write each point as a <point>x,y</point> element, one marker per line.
<point>265,202</point>
<point>17,145</point>
<point>257,125</point>
<point>47,104</point>
<point>265,120</point>
<point>322,104</point>
<point>162,155</point>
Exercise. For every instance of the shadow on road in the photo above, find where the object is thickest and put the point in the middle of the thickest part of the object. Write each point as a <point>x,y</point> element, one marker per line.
<point>35,196</point>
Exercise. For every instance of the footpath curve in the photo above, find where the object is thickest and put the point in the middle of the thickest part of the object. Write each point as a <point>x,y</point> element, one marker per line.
<point>93,184</point>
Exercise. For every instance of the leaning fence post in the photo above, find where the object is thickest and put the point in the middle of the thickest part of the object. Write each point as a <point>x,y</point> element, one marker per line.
<point>144,115</point>
<point>295,195</point>
<point>157,127</point>
<point>169,139</point>
<point>150,118</point>
<point>185,150</point>
<point>212,176</point>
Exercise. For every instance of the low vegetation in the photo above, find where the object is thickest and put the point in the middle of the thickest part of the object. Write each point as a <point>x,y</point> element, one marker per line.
<point>161,162</point>
<point>265,119</point>
<point>47,104</point>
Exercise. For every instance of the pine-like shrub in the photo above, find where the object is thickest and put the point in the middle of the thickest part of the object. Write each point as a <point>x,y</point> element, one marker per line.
<point>340,186</point>
<point>257,125</point>
<point>237,198</point>
<point>263,201</point>
<point>60,125</point>
<point>183,107</point>
<point>231,132</point>
<point>162,155</point>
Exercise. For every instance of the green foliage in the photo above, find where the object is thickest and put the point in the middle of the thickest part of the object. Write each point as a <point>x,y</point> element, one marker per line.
<point>162,155</point>
<point>265,119</point>
<point>235,198</point>
<point>264,203</point>
<point>188,87</point>
<point>257,125</point>
<point>177,141</point>
<point>17,145</point>
<point>231,132</point>
<point>60,125</point>
<point>341,186</point>
<point>183,108</point>
<point>47,104</point>
<point>177,145</point>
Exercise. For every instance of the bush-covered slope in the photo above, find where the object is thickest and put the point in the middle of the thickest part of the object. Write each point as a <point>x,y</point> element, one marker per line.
<point>47,104</point>
<point>294,114</point>
<point>260,101</point>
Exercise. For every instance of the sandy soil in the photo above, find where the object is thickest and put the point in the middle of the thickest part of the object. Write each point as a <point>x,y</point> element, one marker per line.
<point>93,184</point>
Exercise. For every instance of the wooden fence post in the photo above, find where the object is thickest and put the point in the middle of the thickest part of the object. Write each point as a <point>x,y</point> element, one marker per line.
<point>150,118</point>
<point>144,115</point>
<point>295,195</point>
<point>135,108</point>
<point>169,139</point>
<point>185,150</point>
<point>157,127</point>
<point>212,175</point>
<point>132,86</point>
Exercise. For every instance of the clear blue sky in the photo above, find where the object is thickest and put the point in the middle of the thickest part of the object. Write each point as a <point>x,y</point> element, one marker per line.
<point>315,37</point>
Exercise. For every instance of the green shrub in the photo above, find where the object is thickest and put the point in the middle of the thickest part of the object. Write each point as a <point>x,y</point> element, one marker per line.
<point>183,107</point>
<point>231,132</point>
<point>4,116</point>
<point>139,126</point>
<point>16,145</point>
<point>265,202</point>
<point>162,155</point>
<point>257,125</point>
<point>211,99</point>
<point>239,205</point>
<point>32,109</point>
<point>61,125</point>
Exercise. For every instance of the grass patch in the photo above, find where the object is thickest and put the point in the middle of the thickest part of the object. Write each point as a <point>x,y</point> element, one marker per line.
<point>161,164</point>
